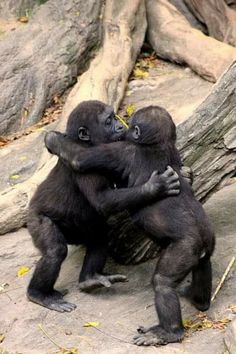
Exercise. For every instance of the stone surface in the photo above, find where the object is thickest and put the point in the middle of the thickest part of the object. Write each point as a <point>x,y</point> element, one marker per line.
<point>230,337</point>
<point>120,309</point>
<point>42,59</point>
<point>172,86</point>
<point>16,8</point>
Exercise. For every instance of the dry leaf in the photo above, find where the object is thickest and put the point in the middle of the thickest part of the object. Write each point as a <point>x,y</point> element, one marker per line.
<point>22,271</point>
<point>3,287</point>
<point>140,74</point>
<point>202,322</point>
<point>2,337</point>
<point>68,351</point>
<point>23,19</point>
<point>130,109</point>
<point>91,324</point>
<point>23,158</point>
<point>233,308</point>
<point>14,177</point>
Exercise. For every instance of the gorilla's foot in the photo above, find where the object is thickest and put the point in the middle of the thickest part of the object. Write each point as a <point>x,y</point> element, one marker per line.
<point>156,335</point>
<point>101,280</point>
<point>53,300</point>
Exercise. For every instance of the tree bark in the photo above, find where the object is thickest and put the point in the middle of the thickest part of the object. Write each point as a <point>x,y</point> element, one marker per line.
<point>124,31</point>
<point>174,39</point>
<point>207,140</point>
<point>219,18</point>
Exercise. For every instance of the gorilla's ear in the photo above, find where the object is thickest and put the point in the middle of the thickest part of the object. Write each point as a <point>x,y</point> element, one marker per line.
<point>83,134</point>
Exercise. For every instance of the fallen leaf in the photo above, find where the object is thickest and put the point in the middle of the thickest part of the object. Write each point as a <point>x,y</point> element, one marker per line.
<point>40,129</point>
<point>14,177</point>
<point>3,287</point>
<point>91,324</point>
<point>22,271</point>
<point>130,109</point>
<point>202,322</point>
<point>23,19</point>
<point>232,308</point>
<point>23,158</point>
<point>2,337</point>
<point>69,351</point>
<point>140,74</point>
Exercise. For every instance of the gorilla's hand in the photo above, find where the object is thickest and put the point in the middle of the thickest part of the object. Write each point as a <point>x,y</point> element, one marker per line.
<point>166,183</point>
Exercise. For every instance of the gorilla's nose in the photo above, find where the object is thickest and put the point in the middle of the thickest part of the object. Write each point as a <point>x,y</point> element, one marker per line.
<point>119,127</point>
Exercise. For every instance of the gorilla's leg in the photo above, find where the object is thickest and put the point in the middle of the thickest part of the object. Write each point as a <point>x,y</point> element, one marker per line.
<point>199,292</point>
<point>92,276</point>
<point>173,266</point>
<point>50,241</point>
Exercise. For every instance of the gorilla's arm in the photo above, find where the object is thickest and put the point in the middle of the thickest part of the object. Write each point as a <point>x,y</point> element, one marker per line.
<point>109,201</point>
<point>114,157</point>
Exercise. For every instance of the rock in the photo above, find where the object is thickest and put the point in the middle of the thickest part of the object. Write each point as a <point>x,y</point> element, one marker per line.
<point>230,337</point>
<point>169,85</point>
<point>17,8</point>
<point>42,58</point>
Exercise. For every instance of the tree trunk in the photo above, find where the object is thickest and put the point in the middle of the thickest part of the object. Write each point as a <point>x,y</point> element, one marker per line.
<point>207,140</point>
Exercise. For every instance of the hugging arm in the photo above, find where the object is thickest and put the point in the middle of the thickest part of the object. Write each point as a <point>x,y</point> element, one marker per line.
<point>110,201</point>
<point>112,157</point>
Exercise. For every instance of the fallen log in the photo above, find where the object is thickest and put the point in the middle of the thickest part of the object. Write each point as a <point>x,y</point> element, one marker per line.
<point>219,18</point>
<point>173,38</point>
<point>207,140</point>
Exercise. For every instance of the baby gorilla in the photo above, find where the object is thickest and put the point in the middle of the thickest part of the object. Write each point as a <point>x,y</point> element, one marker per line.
<point>178,224</point>
<point>71,208</point>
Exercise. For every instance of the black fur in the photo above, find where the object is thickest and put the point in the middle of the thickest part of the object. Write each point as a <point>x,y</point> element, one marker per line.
<point>71,208</point>
<point>179,223</point>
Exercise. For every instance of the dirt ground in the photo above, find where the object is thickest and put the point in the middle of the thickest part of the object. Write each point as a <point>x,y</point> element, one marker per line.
<point>119,310</point>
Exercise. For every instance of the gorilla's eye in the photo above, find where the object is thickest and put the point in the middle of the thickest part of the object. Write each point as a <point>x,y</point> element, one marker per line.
<point>136,132</point>
<point>83,134</point>
<point>108,121</point>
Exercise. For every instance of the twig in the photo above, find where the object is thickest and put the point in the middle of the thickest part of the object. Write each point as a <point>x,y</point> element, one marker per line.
<point>111,336</point>
<point>231,263</point>
<point>7,291</point>
<point>108,334</point>
<point>51,340</point>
